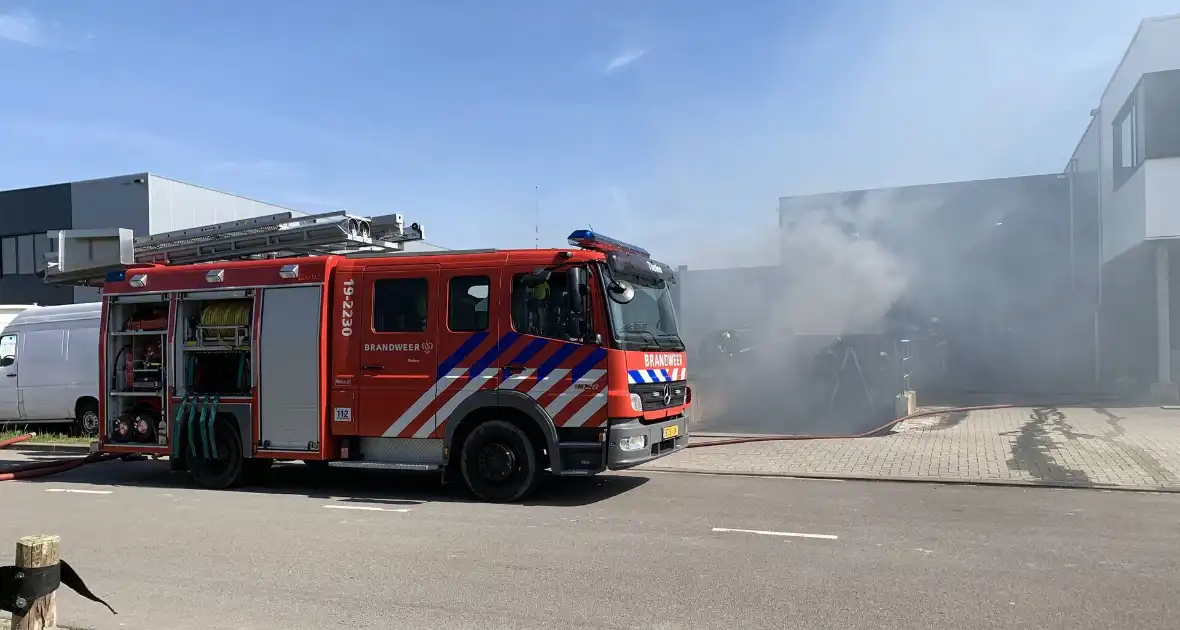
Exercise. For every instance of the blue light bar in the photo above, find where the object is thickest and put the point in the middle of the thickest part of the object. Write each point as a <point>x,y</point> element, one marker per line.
<point>599,243</point>
<point>116,276</point>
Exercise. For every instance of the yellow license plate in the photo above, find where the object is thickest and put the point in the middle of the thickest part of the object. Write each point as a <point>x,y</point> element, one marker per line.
<point>671,432</point>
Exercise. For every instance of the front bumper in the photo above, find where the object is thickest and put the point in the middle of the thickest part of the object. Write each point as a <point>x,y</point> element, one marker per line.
<point>656,445</point>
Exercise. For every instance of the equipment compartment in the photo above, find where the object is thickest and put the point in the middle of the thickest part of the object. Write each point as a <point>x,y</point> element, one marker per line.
<point>216,345</point>
<point>136,370</point>
<point>217,325</point>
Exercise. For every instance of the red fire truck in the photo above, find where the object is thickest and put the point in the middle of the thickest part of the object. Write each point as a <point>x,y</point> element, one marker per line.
<point>320,339</point>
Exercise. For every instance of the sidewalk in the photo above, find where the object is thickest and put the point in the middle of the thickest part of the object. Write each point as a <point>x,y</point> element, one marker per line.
<point>1129,448</point>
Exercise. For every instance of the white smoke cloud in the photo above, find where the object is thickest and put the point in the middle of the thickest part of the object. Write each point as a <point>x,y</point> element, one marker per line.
<point>918,91</point>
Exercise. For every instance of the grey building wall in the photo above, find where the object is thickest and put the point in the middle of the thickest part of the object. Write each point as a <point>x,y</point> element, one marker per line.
<point>142,202</point>
<point>1085,190</point>
<point>110,202</point>
<point>25,215</point>
<point>717,299</point>
<point>991,259</point>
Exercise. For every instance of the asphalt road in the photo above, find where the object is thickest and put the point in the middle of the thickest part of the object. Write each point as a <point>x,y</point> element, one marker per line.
<point>622,551</point>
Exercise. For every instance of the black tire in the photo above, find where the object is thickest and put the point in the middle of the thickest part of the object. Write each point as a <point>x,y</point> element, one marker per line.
<point>85,418</point>
<point>230,468</point>
<point>499,462</point>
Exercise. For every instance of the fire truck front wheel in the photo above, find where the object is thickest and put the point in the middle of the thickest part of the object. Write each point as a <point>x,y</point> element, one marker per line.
<point>499,462</point>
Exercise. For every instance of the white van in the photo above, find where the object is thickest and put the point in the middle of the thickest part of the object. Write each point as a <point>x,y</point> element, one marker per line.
<point>10,311</point>
<point>49,367</point>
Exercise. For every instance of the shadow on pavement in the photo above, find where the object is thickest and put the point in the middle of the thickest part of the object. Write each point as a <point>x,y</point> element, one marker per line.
<point>345,485</point>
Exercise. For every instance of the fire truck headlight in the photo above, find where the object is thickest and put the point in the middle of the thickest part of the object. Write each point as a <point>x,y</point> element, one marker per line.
<point>636,403</point>
<point>633,443</point>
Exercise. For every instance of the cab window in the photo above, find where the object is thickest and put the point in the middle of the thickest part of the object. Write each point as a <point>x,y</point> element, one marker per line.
<point>467,303</point>
<point>400,305</point>
<point>542,310</point>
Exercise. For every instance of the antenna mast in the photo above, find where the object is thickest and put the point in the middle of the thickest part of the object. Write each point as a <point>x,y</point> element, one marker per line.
<point>536,217</point>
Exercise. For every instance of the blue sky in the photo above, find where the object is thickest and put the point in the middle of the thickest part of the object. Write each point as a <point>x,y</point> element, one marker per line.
<point>672,123</point>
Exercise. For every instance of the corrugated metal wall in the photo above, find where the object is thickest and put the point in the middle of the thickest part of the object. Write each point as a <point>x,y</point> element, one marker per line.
<point>176,205</point>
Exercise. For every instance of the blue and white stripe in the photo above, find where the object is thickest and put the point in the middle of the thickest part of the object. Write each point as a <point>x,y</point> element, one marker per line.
<point>656,376</point>
<point>449,372</point>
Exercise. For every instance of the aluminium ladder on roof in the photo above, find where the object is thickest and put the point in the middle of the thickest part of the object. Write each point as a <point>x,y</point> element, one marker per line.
<point>93,253</point>
<point>274,235</point>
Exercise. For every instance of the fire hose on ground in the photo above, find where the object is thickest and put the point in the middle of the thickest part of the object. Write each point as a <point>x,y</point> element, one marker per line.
<point>32,470</point>
<point>888,425</point>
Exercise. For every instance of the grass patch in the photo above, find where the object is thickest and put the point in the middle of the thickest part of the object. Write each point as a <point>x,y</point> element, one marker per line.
<point>42,437</point>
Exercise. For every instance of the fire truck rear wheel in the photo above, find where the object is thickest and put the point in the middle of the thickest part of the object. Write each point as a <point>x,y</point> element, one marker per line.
<point>499,462</point>
<point>229,468</point>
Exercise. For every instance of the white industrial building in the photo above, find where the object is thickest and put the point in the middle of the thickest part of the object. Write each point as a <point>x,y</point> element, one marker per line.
<point>1126,179</point>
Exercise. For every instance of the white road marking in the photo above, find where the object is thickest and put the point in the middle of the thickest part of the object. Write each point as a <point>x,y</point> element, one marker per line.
<point>76,491</point>
<point>367,508</point>
<point>769,533</point>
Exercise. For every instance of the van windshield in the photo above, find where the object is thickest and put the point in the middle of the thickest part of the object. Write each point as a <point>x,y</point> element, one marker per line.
<point>7,347</point>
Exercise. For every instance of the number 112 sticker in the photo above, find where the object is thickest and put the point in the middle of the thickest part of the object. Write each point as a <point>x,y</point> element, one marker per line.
<point>344,414</point>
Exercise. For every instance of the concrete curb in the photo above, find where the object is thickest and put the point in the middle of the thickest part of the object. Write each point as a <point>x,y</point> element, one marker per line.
<point>42,447</point>
<point>1011,483</point>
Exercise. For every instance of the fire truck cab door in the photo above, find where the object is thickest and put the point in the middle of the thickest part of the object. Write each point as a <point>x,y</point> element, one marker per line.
<point>472,344</point>
<point>398,350</point>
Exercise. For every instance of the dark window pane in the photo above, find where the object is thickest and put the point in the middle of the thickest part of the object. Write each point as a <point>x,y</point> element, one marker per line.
<point>467,303</point>
<point>400,305</point>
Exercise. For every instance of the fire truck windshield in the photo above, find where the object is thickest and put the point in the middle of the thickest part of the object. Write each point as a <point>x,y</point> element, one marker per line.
<point>648,321</point>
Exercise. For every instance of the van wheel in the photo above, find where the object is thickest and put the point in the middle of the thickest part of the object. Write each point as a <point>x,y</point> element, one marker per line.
<point>85,418</point>
<point>499,462</point>
<point>230,468</point>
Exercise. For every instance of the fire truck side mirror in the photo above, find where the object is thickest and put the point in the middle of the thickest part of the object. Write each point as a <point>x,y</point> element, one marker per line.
<point>575,280</point>
<point>620,291</point>
<point>576,289</point>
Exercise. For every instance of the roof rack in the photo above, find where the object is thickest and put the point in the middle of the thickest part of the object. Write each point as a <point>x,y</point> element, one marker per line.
<point>85,256</point>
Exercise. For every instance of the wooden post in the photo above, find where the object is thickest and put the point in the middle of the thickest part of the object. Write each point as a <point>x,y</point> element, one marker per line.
<point>32,552</point>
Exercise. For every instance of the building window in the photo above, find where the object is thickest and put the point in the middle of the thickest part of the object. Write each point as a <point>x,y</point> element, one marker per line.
<point>8,256</point>
<point>1128,140</point>
<point>467,303</point>
<point>400,305</point>
<point>542,310</point>
<point>23,253</point>
<point>1161,114</point>
<point>25,258</point>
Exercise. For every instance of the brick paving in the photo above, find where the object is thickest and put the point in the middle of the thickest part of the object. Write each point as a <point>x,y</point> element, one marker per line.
<point>1132,448</point>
